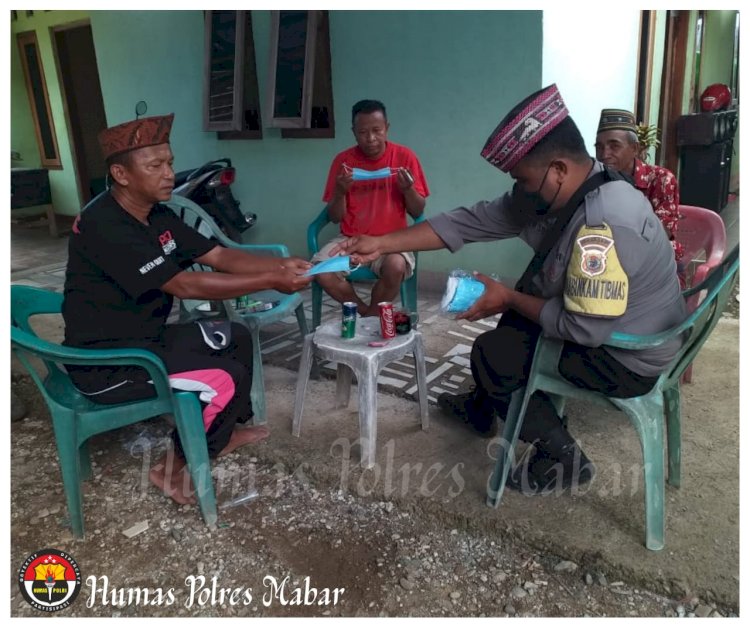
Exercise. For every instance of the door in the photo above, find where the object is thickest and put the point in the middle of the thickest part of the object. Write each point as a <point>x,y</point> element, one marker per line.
<point>82,100</point>
<point>673,79</point>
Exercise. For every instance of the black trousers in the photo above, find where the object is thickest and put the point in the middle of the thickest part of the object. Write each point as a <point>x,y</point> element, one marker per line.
<point>501,360</point>
<point>221,377</point>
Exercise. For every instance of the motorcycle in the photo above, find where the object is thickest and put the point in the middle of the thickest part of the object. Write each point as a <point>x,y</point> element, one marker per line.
<point>210,187</point>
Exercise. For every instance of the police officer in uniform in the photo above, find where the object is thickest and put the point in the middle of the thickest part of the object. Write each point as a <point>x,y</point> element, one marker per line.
<point>127,259</point>
<point>602,264</point>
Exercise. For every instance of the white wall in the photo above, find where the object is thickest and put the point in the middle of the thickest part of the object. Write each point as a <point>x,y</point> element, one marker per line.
<point>592,55</point>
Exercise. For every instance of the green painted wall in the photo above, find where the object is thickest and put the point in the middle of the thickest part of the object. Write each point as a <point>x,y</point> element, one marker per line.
<point>446,79</point>
<point>65,196</point>
<point>718,47</point>
<point>689,82</point>
<point>657,70</point>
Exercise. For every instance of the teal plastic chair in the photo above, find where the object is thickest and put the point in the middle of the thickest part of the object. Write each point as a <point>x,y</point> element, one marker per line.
<point>194,216</point>
<point>365,275</point>
<point>647,412</point>
<point>75,418</point>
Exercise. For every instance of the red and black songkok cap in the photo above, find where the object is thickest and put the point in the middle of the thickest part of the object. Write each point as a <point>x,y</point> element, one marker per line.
<point>519,132</point>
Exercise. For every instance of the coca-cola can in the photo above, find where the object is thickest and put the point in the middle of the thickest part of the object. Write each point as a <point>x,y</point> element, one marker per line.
<point>387,325</point>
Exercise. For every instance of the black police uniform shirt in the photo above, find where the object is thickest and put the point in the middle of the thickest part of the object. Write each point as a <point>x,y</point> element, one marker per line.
<point>116,267</point>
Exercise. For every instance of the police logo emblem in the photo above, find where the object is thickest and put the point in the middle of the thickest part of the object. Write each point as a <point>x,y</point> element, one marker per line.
<point>594,250</point>
<point>50,580</point>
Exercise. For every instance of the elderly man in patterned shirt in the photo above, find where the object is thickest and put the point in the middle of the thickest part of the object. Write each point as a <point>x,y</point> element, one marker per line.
<point>617,146</point>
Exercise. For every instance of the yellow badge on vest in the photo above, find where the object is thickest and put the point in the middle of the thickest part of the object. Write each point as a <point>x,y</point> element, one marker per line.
<point>595,283</point>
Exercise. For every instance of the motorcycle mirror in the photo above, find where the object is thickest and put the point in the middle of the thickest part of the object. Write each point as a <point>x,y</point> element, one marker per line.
<point>140,108</point>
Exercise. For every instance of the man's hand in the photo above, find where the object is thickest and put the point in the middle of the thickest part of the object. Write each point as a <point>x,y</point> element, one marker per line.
<point>404,179</point>
<point>344,180</point>
<point>362,249</point>
<point>288,281</point>
<point>495,300</point>
<point>297,265</point>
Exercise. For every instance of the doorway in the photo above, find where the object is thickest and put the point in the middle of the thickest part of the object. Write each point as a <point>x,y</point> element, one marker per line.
<point>672,85</point>
<point>78,75</point>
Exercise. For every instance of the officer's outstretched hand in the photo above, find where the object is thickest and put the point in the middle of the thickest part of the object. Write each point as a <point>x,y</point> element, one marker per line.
<point>494,300</point>
<point>362,249</point>
<point>289,281</point>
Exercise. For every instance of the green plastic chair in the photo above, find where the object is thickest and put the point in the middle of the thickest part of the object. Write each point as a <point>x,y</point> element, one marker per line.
<point>365,275</point>
<point>647,412</point>
<point>75,418</point>
<point>194,216</point>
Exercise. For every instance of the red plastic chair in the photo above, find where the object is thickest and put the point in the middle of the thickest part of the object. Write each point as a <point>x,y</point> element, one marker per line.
<point>701,231</point>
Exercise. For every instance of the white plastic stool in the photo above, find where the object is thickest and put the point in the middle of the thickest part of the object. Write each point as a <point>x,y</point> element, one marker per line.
<point>326,342</point>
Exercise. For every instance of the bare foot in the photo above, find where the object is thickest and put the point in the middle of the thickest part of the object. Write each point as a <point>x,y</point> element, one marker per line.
<point>245,436</point>
<point>171,477</point>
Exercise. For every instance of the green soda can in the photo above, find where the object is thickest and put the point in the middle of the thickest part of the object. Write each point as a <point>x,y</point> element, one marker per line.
<point>242,302</point>
<point>348,319</point>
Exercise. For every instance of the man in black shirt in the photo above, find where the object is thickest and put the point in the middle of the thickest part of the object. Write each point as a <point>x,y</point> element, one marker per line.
<point>127,259</point>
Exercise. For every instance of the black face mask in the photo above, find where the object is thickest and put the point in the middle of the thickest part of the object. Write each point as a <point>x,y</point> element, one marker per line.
<point>529,203</point>
<point>532,203</point>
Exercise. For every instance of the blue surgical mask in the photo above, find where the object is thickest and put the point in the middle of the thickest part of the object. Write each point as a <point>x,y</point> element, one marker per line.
<point>358,174</point>
<point>461,292</point>
<point>338,264</point>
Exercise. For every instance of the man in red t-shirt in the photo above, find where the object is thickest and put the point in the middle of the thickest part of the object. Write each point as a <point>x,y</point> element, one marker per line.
<point>370,188</point>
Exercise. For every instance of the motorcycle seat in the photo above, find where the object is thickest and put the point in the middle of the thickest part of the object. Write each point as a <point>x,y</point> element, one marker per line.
<point>181,177</point>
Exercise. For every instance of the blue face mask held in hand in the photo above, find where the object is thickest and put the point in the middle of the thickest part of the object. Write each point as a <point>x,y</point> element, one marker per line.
<point>358,174</point>
<point>461,292</point>
<point>338,264</point>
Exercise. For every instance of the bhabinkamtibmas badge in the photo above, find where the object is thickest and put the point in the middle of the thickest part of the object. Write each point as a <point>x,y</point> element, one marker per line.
<point>595,283</point>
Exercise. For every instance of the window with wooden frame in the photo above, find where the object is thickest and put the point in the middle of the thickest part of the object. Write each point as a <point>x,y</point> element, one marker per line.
<point>36,87</point>
<point>231,98</point>
<point>300,94</point>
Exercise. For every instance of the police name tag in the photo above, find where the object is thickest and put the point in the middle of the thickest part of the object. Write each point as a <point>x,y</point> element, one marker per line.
<point>595,283</point>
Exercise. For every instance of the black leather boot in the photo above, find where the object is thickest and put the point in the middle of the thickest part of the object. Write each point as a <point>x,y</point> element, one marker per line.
<point>558,463</point>
<point>469,408</point>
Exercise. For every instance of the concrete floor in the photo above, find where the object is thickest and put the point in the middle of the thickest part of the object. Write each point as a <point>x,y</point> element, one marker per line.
<point>602,526</point>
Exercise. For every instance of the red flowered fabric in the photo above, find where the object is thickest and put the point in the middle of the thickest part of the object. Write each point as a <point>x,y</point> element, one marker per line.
<point>660,187</point>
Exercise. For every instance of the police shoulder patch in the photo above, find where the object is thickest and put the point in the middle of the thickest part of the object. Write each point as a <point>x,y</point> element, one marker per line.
<point>595,283</point>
